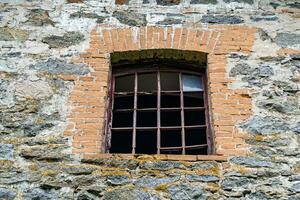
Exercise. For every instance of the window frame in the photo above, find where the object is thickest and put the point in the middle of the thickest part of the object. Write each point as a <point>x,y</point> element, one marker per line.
<point>134,69</point>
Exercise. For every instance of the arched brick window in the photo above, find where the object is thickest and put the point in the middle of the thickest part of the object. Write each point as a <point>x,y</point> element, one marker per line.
<point>158,108</point>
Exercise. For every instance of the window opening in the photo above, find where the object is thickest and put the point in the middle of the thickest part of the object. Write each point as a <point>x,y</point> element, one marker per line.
<point>159,112</point>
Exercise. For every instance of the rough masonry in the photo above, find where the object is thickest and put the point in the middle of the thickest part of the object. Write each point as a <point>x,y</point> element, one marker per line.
<point>54,68</point>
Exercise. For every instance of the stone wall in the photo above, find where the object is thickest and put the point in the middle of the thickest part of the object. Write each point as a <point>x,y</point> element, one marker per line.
<point>54,63</point>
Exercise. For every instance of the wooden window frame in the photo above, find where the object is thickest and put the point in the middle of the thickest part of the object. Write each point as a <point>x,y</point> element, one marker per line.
<point>157,68</point>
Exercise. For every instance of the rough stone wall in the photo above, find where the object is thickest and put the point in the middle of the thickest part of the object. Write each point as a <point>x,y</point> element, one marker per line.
<point>43,44</point>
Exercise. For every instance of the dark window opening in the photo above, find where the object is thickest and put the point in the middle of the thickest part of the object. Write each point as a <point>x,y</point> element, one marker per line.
<point>159,112</point>
<point>146,141</point>
<point>121,142</point>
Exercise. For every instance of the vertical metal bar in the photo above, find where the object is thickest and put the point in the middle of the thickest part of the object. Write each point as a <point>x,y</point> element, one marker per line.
<point>207,120</point>
<point>158,112</point>
<point>134,113</point>
<point>182,114</point>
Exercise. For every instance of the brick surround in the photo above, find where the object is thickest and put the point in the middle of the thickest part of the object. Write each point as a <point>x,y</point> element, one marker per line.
<point>228,107</point>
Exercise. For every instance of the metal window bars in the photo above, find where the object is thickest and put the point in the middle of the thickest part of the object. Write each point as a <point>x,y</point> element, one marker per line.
<point>159,112</point>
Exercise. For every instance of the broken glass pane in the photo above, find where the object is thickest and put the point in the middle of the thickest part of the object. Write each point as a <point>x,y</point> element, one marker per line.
<point>192,83</point>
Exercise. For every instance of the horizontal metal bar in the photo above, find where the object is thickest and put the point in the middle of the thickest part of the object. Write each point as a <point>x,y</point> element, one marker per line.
<point>196,146</point>
<point>138,109</point>
<point>186,147</point>
<point>162,109</point>
<point>195,126</point>
<point>170,91</point>
<point>171,148</point>
<point>121,128</point>
<point>124,93</point>
<point>162,128</point>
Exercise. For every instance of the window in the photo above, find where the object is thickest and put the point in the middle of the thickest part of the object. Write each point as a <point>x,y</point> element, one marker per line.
<point>158,111</point>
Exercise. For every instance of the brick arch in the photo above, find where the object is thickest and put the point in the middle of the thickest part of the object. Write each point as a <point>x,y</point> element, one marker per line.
<point>228,106</point>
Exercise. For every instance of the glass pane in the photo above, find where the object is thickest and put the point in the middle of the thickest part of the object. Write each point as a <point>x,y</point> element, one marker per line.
<point>147,82</point>
<point>169,81</point>
<point>121,142</point>
<point>124,83</point>
<point>193,99</point>
<point>192,83</point>
<point>146,142</point>
<point>170,100</point>
<point>146,119</point>
<point>170,138</point>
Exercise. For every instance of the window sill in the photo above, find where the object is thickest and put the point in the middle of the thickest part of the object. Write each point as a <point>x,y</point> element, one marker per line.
<point>158,157</point>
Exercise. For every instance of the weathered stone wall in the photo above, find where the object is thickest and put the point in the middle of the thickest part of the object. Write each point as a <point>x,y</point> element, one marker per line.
<point>49,52</point>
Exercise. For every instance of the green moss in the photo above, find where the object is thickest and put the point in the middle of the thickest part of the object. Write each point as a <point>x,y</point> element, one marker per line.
<point>162,188</point>
<point>190,57</point>
<point>50,172</point>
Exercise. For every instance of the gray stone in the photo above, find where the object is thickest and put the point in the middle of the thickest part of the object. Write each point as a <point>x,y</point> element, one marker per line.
<point>240,69</point>
<point>57,66</point>
<point>296,128</point>
<point>6,194</point>
<point>222,19</point>
<point>113,162</point>
<point>67,40</point>
<point>130,18</point>
<point>251,162</point>
<point>294,177</point>
<point>202,165</point>
<point>44,152</point>
<point>263,35</point>
<point>204,1</point>
<point>236,183</point>
<point>287,86</point>
<point>127,194</point>
<point>170,21</point>
<point>6,151</point>
<point>287,39</point>
<point>184,191</point>
<point>263,151</point>
<point>78,170</point>
<point>203,178</point>
<point>10,178</point>
<point>118,180</point>
<point>265,125</point>
<point>294,5</point>
<point>272,141</point>
<point>81,14</point>
<point>13,34</point>
<point>33,89</point>
<point>294,197</point>
<point>240,1</point>
<point>258,196</point>
<point>288,106</point>
<point>39,17</point>
<point>265,71</point>
<point>38,193</point>
<point>148,182</point>
<point>161,165</point>
<point>168,2</point>
<point>295,187</point>
<point>264,18</point>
